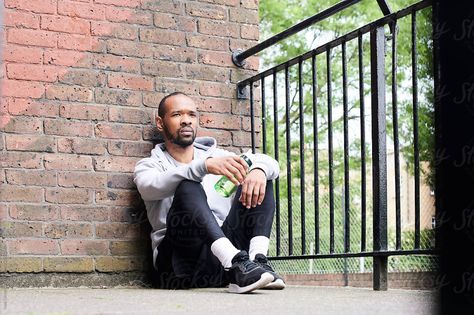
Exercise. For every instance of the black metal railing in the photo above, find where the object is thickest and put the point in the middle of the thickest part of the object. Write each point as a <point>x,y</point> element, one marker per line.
<point>282,120</point>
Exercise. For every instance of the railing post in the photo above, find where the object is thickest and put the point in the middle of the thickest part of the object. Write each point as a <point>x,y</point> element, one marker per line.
<point>379,156</point>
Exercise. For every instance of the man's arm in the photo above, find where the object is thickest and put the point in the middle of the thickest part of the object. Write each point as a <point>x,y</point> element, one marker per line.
<point>155,182</point>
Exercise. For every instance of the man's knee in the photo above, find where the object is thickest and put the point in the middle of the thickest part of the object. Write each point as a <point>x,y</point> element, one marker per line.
<point>188,187</point>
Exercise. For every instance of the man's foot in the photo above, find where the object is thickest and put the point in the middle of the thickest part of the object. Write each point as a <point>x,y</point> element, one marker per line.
<point>246,275</point>
<point>277,283</point>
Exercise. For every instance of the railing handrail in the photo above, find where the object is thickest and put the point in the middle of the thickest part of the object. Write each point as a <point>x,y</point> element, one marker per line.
<point>239,56</point>
<point>336,42</point>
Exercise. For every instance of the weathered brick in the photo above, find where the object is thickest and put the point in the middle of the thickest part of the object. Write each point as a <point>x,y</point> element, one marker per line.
<point>36,6</point>
<point>30,37</point>
<point>84,213</point>
<point>207,73</point>
<point>127,214</point>
<point>68,264</point>
<point>174,53</point>
<point>169,85</point>
<point>82,179</point>
<point>249,32</point>
<point>150,133</point>
<point>68,230</point>
<point>217,90</point>
<point>67,162</point>
<point>241,139</point>
<point>121,3</point>
<point>31,178</point>
<point>81,146</point>
<point>152,99</point>
<point>21,19</point>
<point>83,77</point>
<point>161,36</point>
<point>166,6</point>
<point>118,97</point>
<point>21,193</point>
<point>117,230</point>
<point>69,58</point>
<point>65,24</point>
<point>15,229</point>
<point>87,112</point>
<point>116,63</point>
<point>116,30</point>
<point>140,149</point>
<point>223,137</point>
<point>30,107</point>
<point>246,124</point>
<point>113,264</point>
<point>116,197</point>
<point>84,247</point>
<point>68,195</point>
<point>23,54</point>
<point>30,143</point>
<point>132,16</point>
<point>118,131</point>
<point>34,212</point>
<point>130,115</point>
<point>208,11</point>
<point>231,3</point>
<point>69,93</point>
<point>20,159</point>
<point>218,105</point>
<point>23,264</point>
<point>208,42</point>
<point>23,125</point>
<point>241,44</point>
<point>162,68</point>
<point>220,121</point>
<point>249,4</point>
<point>78,42</point>
<point>130,82</point>
<point>243,15</point>
<point>33,246</point>
<point>115,163</point>
<point>218,28</point>
<point>123,181</point>
<point>4,211</point>
<point>129,48</point>
<point>128,248</point>
<point>18,88</point>
<point>168,21</point>
<point>68,128</point>
<point>91,11</point>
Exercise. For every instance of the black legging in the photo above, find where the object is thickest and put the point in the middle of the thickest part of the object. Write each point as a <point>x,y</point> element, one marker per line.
<point>191,228</point>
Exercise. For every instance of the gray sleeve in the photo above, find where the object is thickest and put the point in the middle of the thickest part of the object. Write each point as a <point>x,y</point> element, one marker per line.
<point>155,182</point>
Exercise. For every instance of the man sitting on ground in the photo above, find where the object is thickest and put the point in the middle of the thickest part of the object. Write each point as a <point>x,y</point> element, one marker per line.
<point>200,238</point>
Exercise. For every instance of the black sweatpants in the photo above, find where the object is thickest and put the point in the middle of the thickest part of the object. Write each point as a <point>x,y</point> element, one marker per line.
<point>184,256</point>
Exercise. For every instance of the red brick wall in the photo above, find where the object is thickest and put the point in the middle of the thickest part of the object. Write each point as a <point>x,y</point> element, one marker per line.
<point>80,82</point>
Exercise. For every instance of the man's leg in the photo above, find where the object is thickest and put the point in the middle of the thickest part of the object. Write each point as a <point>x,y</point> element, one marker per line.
<point>250,229</point>
<point>192,233</point>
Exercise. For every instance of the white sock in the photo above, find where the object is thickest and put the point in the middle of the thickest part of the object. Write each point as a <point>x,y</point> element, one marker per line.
<point>258,245</point>
<point>224,250</point>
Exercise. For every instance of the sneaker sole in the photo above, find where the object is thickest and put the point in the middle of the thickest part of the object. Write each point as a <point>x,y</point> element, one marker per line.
<point>265,279</point>
<point>278,284</point>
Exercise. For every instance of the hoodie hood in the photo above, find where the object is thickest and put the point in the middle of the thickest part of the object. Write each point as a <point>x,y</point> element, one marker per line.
<point>208,144</point>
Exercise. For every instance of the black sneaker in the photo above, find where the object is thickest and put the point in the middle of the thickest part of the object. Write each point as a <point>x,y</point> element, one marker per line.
<point>246,276</point>
<point>277,283</point>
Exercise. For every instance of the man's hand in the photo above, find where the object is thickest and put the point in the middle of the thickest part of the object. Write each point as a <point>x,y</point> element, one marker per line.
<point>234,167</point>
<point>253,188</point>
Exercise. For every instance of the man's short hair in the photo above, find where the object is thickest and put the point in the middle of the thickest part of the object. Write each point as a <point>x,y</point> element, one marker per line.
<point>161,106</point>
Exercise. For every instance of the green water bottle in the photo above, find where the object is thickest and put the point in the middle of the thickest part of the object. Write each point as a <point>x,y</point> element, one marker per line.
<point>224,186</point>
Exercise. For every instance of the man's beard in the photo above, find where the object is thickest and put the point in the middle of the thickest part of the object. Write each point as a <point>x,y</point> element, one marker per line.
<point>177,138</point>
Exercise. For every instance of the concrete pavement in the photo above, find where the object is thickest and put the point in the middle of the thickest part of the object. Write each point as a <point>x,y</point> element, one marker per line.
<point>292,300</point>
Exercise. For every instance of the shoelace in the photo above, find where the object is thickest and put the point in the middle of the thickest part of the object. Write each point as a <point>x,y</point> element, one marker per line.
<point>264,264</point>
<point>246,262</point>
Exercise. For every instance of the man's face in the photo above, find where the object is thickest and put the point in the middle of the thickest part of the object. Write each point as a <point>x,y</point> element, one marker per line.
<point>179,124</point>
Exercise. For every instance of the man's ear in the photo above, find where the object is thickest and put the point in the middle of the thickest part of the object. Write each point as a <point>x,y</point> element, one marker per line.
<point>159,123</point>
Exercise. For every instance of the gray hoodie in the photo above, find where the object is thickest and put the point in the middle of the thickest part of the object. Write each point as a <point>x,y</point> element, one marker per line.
<point>158,176</point>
